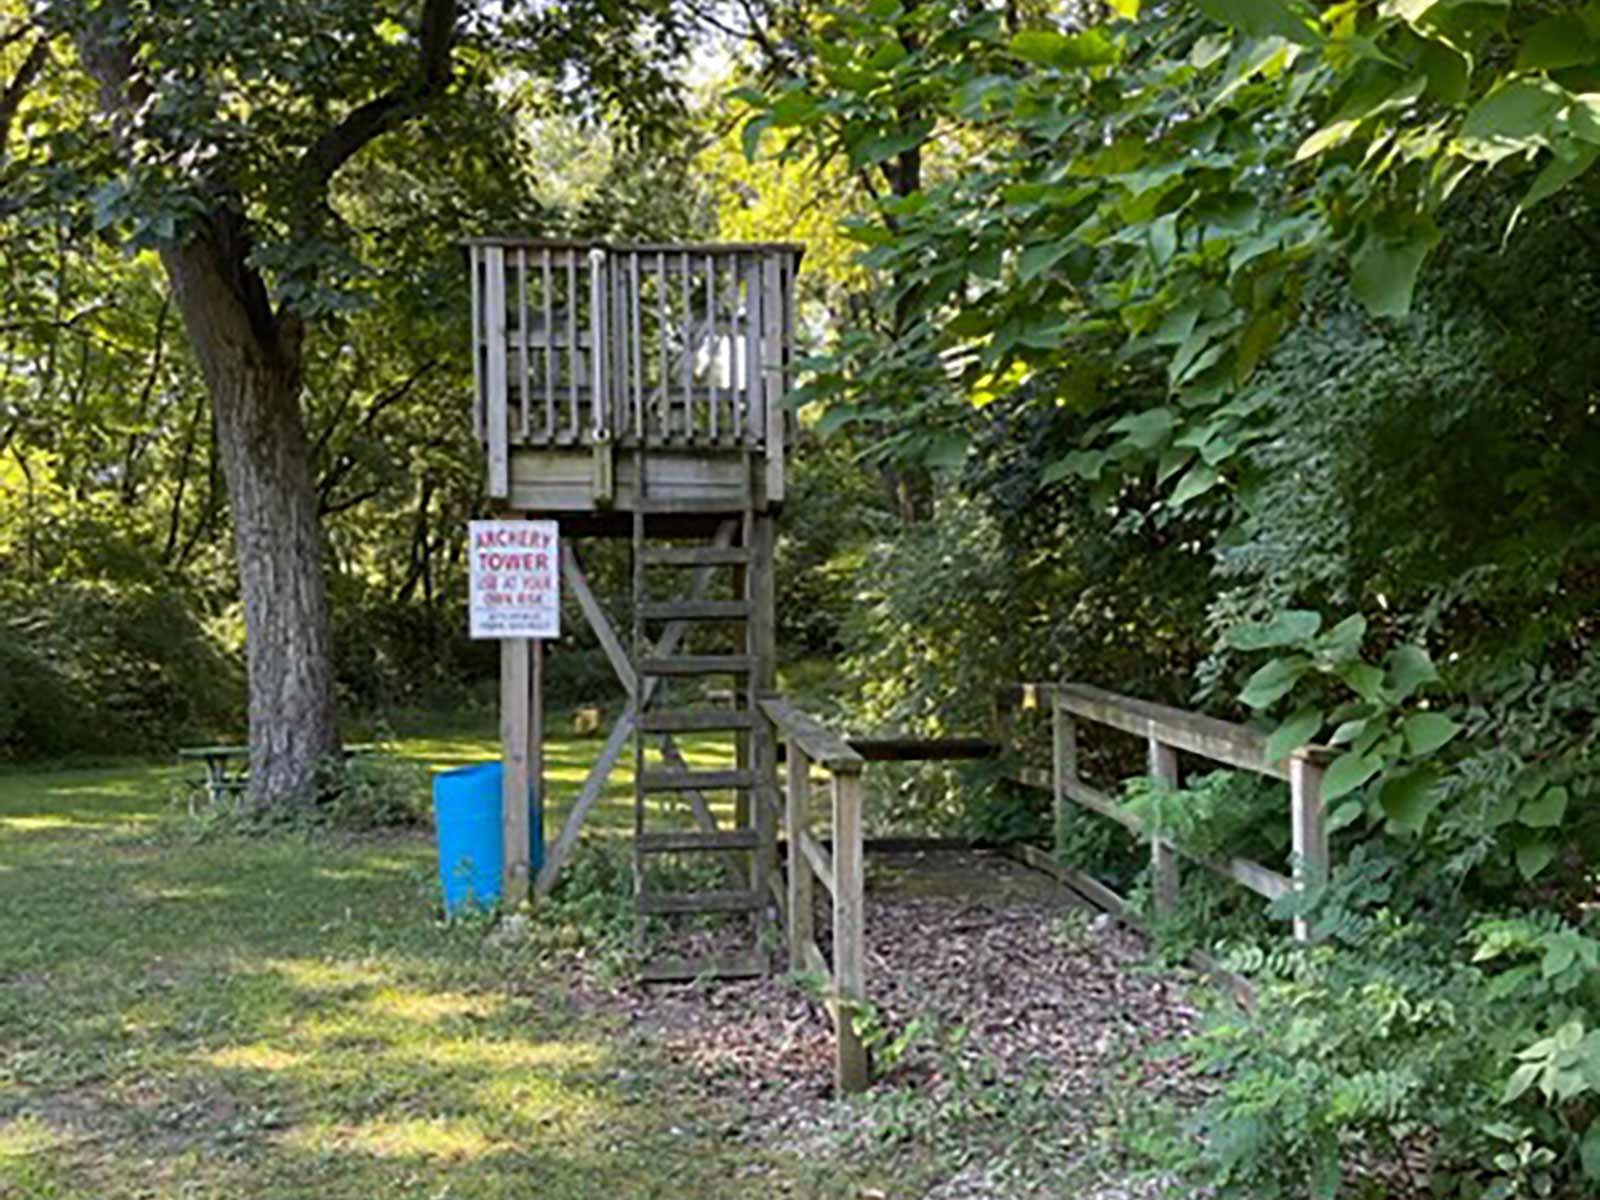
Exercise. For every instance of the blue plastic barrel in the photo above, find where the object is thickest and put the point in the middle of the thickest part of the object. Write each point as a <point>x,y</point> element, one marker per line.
<point>466,813</point>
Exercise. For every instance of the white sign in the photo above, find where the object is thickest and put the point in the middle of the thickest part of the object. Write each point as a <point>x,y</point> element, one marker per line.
<point>516,579</point>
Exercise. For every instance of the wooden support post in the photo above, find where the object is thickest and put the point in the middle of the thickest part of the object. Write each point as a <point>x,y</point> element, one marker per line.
<point>1163,855</point>
<point>1063,765</point>
<point>1309,829</point>
<point>515,737</point>
<point>797,817</point>
<point>772,374</point>
<point>763,646</point>
<point>535,745</point>
<point>849,929</point>
<point>498,415</point>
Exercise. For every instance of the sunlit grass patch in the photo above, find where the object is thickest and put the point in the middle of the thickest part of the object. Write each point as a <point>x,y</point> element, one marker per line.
<point>26,1136</point>
<point>258,1056</point>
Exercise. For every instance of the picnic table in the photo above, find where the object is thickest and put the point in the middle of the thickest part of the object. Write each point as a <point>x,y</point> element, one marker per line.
<point>227,768</point>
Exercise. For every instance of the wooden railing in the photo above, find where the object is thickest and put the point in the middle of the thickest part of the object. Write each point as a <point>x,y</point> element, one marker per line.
<point>1167,731</point>
<point>837,865</point>
<point>578,342</point>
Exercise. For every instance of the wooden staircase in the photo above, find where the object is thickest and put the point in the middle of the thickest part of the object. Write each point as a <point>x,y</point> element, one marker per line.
<point>743,625</point>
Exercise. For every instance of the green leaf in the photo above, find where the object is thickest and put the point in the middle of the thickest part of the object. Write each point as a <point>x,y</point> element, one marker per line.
<point>1274,680</point>
<point>1546,810</point>
<point>1410,668</point>
<point>1409,799</point>
<point>1519,116</point>
<point>1284,628</point>
<point>1197,481</point>
<point>945,452</point>
<point>1589,1151</point>
<point>1348,772</point>
<point>1344,638</point>
<point>1384,269</point>
<point>1521,1080</point>
<point>1561,170</point>
<point>1147,429</point>
<point>1558,41</point>
<point>1085,464</point>
<point>1533,857</point>
<point>1040,257</point>
<point>1091,48</point>
<point>1348,732</point>
<point>1261,18</point>
<point>1426,732</point>
<point>1294,733</point>
<point>1345,814</point>
<point>1364,679</point>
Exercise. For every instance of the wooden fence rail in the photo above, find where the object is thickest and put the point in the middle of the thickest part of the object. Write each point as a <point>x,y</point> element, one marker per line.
<point>837,865</point>
<point>1167,731</point>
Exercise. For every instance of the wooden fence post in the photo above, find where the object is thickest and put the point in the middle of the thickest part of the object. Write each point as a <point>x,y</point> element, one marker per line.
<point>1163,856</point>
<point>1063,764</point>
<point>849,957</point>
<point>797,819</point>
<point>1309,828</point>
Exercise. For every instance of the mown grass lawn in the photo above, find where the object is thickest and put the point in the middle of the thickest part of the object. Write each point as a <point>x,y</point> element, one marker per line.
<point>284,1016</point>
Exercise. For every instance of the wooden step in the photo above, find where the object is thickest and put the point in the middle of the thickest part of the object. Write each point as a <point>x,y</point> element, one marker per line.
<point>699,664</point>
<point>665,903</point>
<point>696,556</point>
<point>690,840</point>
<point>684,970</point>
<point>694,720</point>
<point>695,610</point>
<point>696,781</point>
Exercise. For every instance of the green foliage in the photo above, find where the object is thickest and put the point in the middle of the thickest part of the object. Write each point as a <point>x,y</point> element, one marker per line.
<point>1220,814</point>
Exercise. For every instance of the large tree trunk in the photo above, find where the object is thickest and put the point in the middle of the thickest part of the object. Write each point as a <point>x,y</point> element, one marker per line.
<point>252,359</point>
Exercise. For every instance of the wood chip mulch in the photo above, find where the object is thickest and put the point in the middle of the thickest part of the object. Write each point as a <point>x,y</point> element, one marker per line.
<point>1032,1018</point>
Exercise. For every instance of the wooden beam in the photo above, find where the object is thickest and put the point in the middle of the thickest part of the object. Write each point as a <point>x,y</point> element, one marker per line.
<point>1063,766</point>
<point>819,743</point>
<point>515,735</point>
<point>594,786</point>
<point>1163,855</point>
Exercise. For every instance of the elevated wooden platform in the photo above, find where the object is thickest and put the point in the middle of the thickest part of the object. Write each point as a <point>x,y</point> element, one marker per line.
<point>584,353</point>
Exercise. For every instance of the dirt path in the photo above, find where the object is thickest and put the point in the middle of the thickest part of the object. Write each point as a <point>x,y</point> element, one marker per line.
<point>1008,1029</point>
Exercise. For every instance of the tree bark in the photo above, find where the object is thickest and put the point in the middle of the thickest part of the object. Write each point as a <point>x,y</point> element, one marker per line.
<point>252,363</point>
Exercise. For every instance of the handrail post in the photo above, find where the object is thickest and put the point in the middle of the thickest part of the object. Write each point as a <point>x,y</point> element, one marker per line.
<point>1309,829</point>
<point>1063,764</point>
<point>849,956</point>
<point>797,818</point>
<point>1163,855</point>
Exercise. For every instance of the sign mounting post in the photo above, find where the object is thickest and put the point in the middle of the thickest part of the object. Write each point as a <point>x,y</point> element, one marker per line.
<point>516,599</point>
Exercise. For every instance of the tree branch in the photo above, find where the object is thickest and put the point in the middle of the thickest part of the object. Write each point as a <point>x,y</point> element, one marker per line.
<point>392,109</point>
<point>11,98</point>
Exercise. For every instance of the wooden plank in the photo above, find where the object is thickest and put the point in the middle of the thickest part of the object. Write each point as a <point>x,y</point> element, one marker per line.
<point>1163,855</point>
<point>736,357</point>
<point>816,962</point>
<point>535,747</point>
<point>547,279</point>
<point>660,904</point>
<point>819,743</point>
<point>599,622</point>
<point>759,591</point>
<point>515,733</point>
<point>711,346</point>
<point>674,780</point>
<point>696,556</point>
<point>695,610</point>
<point>689,842</point>
<point>497,417</point>
<point>697,664</point>
<point>686,970</point>
<point>688,354</point>
<point>753,410</point>
<point>572,340</point>
<point>849,931</point>
<point>598,340</point>
<point>817,858</point>
<point>695,720</point>
<point>1309,828</point>
<point>799,913</point>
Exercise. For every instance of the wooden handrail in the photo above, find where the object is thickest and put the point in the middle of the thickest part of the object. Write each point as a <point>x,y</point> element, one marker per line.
<point>1166,731</point>
<point>821,745</point>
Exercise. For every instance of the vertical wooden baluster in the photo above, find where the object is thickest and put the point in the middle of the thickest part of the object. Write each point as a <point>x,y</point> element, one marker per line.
<point>522,328</point>
<point>574,365</point>
<point>476,263</point>
<point>711,342</point>
<point>550,344</point>
<point>661,334</point>
<point>772,375</point>
<point>752,351</point>
<point>635,302</point>
<point>688,351</point>
<point>599,371</point>
<point>735,350</point>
